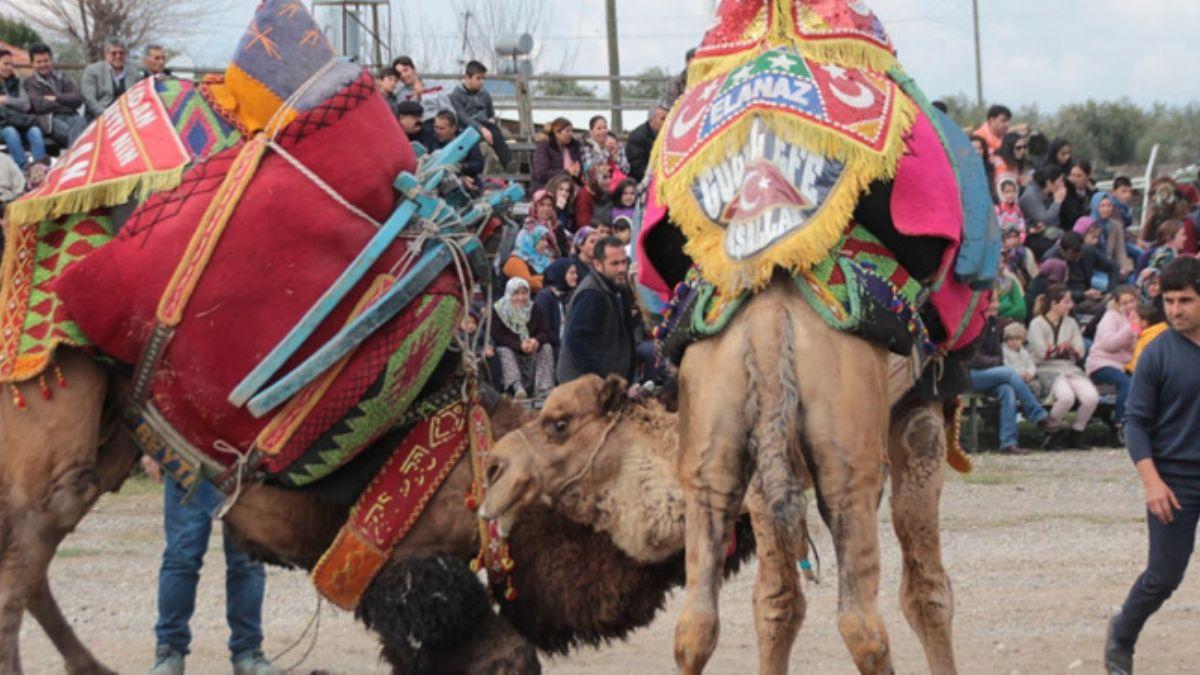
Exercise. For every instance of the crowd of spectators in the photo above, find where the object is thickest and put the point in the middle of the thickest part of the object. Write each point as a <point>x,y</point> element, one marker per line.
<point>1077,290</point>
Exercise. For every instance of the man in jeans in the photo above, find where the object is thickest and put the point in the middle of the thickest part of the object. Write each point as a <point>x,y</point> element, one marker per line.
<point>1162,430</point>
<point>188,527</point>
<point>990,376</point>
<point>18,126</point>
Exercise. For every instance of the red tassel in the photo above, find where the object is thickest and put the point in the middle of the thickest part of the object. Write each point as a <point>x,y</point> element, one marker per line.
<point>17,399</point>
<point>45,387</point>
<point>510,593</point>
<point>58,375</point>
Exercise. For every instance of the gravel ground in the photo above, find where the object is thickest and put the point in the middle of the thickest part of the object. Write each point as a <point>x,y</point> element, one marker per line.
<point>1041,549</point>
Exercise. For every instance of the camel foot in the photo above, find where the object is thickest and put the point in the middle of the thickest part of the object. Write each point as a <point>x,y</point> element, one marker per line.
<point>695,640</point>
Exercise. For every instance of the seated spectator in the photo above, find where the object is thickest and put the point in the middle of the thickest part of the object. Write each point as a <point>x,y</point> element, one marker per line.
<point>1093,238</point>
<point>473,105</point>
<point>992,131</point>
<point>154,63</point>
<point>12,184</point>
<point>1078,202</point>
<point>562,188</point>
<point>989,375</point>
<point>601,318</point>
<point>581,249</point>
<point>53,98</point>
<point>18,127</point>
<point>1167,203</point>
<point>1018,259</point>
<point>1154,323</point>
<point>1051,271</point>
<point>1059,155</point>
<point>1112,349</point>
<point>1150,287</point>
<point>468,334</point>
<point>522,341</point>
<point>445,130</point>
<point>678,84</point>
<point>1122,195</point>
<point>1012,159</point>
<point>1172,239</point>
<point>593,201</point>
<point>105,81</point>
<point>1011,295</point>
<point>622,229</point>
<point>388,81</point>
<point>409,114</point>
<point>624,200</point>
<point>1057,344</point>
<point>541,212</point>
<point>560,153</point>
<point>1017,357</point>
<point>560,280</point>
<point>1008,212</point>
<point>1040,204</point>
<point>1083,264</point>
<point>641,141</point>
<point>989,168</point>
<point>602,146</point>
<point>433,99</point>
<point>531,255</point>
<point>1112,233</point>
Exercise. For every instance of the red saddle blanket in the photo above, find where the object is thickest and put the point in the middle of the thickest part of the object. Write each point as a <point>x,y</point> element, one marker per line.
<point>285,244</point>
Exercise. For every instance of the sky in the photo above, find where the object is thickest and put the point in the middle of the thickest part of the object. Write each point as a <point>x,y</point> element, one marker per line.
<point>1043,52</point>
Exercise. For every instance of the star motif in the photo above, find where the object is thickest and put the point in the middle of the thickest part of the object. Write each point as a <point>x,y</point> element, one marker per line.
<point>764,183</point>
<point>740,74</point>
<point>709,90</point>
<point>782,61</point>
<point>835,71</point>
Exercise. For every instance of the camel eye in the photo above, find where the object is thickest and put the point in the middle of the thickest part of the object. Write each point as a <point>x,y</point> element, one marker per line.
<point>559,427</point>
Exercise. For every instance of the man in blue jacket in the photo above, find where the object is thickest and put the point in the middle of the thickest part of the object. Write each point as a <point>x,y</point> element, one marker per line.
<point>1162,430</point>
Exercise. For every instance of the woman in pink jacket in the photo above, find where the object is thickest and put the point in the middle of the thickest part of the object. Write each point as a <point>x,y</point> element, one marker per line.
<point>1113,348</point>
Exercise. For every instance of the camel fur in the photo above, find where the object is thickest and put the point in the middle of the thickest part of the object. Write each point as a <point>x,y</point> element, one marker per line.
<point>776,402</point>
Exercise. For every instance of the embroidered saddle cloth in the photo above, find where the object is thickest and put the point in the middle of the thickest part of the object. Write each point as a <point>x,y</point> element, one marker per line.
<point>795,113</point>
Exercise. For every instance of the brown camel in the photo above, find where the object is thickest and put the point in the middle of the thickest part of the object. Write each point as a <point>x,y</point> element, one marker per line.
<point>777,397</point>
<point>59,456</point>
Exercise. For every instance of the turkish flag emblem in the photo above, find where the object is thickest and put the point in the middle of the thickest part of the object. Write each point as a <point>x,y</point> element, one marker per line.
<point>853,98</point>
<point>763,188</point>
<point>681,133</point>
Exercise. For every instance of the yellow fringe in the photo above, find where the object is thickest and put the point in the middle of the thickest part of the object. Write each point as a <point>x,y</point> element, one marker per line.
<point>811,244</point>
<point>80,200</point>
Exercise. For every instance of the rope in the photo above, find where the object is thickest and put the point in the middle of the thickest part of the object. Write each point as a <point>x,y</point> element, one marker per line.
<point>295,96</point>
<point>238,466</point>
<point>587,468</point>
<point>315,619</point>
<point>321,184</point>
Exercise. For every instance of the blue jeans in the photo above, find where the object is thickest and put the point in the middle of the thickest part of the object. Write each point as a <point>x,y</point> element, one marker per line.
<point>1006,385</point>
<point>37,144</point>
<point>1118,379</point>
<point>188,528</point>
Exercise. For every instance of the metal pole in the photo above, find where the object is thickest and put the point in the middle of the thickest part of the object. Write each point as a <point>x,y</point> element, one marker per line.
<point>978,59</point>
<point>614,64</point>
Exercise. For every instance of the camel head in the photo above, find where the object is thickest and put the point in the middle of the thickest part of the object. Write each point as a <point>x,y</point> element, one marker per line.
<point>599,457</point>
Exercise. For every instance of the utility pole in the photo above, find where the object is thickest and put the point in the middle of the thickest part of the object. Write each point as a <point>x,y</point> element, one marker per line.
<point>466,28</point>
<point>978,59</point>
<point>614,63</point>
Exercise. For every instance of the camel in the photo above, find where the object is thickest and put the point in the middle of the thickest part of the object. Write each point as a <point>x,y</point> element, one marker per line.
<point>58,456</point>
<point>653,481</point>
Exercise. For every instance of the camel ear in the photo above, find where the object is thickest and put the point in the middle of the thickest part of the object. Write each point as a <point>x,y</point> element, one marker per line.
<point>612,392</point>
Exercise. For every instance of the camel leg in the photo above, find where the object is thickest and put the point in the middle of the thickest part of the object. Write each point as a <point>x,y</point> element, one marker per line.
<point>778,597</point>
<point>917,449</point>
<point>714,472</point>
<point>45,609</point>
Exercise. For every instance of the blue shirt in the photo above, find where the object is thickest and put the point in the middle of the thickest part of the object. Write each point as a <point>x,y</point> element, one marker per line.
<point>1162,413</point>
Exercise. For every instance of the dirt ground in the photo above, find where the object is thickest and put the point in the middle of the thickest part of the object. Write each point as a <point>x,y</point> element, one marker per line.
<point>1041,549</point>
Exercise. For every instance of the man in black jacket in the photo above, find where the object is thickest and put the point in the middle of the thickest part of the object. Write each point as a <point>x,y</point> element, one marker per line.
<point>445,130</point>
<point>1162,423</point>
<point>598,335</point>
<point>641,140</point>
<point>1083,262</point>
<point>54,98</point>
<point>18,127</point>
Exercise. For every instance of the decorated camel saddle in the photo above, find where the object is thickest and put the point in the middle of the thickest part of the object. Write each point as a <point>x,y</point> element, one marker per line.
<point>281,279</point>
<point>801,147</point>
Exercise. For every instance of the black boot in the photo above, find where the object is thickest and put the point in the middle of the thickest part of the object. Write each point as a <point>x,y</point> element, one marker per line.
<point>1118,657</point>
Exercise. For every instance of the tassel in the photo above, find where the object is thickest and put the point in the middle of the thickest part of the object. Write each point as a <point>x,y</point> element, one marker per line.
<point>17,399</point>
<point>58,375</point>
<point>510,593</point>
<point>45,388</point>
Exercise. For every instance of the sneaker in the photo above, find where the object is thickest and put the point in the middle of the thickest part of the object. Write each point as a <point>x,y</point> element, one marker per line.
<point>1050,425</point>
<point>167,661</point>
<point>254,663</point>
<point>1118,658</point>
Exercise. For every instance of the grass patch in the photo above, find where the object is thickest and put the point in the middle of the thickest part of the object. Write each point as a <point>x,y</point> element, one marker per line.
<point>77,552</point>
<point>139,485</point>
<point>985,475</point>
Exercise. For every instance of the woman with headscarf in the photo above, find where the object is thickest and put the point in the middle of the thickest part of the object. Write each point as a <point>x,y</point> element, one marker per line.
<point>541,212</point>
<point>592,203</point>
<point>561,152</point>
<point>522,343</point>
<point>1051,271</point>
<point>1112,348</point>
<point>601,145</point>
<point>1112,232</point>
<point>531,255</point>
<point>561,278</point>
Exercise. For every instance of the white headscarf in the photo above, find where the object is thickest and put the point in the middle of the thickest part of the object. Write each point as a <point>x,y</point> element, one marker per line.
<point>515,318</point>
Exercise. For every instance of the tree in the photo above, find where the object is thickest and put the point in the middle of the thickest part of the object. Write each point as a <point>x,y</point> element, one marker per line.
<point>647,89</point>
<point>563,89</point>
<point>88,23</point>
<point>17,33</point>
